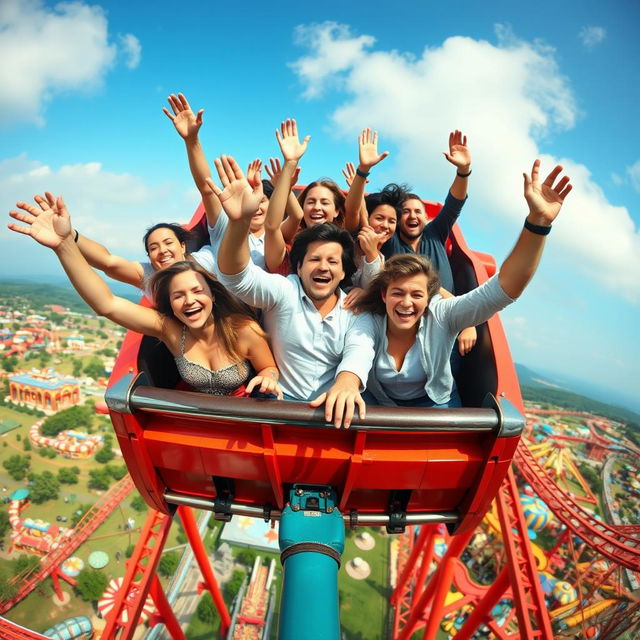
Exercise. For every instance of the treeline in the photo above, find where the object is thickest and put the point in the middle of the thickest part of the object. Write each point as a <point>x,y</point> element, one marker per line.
<point>576,402</point>
<point>36,296</point>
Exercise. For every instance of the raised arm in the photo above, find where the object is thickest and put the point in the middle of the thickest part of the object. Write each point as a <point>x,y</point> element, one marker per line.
<point>292,150</point>
<point>294,213</point>
<point>349,173</point>
<point>369,157</point>
<point>188,125</point>
<point>51,227</point>
<point>98,255</point>
<point>460,157</point>
<point>545,201</point>
<point>240,201</point>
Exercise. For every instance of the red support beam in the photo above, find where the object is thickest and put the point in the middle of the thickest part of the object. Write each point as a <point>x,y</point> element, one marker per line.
<point>200,554</point>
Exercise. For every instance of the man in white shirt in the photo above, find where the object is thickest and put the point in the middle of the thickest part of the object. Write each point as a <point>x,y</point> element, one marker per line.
<point>323,352</point>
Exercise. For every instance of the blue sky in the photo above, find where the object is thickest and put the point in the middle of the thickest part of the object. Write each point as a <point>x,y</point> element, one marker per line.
<point>84,84</point>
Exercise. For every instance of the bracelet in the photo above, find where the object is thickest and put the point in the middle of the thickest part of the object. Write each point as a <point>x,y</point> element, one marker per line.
<point>76,238</point>
<point>362,174</point>
<point>464,175</point>
<point>537,228</point>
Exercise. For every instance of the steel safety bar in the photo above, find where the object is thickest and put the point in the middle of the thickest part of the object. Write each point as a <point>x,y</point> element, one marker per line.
<point>363,519</point>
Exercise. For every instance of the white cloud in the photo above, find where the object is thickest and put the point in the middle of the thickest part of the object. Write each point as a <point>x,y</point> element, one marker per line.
<point>113,208</point>
<point>507,97</point>
<point>47,50</point>
<point>634,174</point>
<point>132,49</point>
<point>592,36</point>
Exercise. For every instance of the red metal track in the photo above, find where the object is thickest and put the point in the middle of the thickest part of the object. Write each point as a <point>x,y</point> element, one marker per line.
<point>11,631</point>
<point>528,599</point>
<point>610,541</point>
<point>89,523</point>
<point>123,618</point>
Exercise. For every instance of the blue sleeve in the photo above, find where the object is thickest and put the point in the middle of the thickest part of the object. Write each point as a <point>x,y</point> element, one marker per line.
<point>441,225</point>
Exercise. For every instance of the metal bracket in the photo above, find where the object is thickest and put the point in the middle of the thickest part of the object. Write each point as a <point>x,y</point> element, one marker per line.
<point>398,501</point>
<point>225,493</point>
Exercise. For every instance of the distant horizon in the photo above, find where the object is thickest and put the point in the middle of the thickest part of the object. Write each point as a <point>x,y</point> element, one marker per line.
<point>563,380</point>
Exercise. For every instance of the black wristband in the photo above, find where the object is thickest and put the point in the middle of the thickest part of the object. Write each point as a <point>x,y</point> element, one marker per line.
<point>536,228</point>
<point>464,175</point>
<point>76,237</point>
<point>362,174</point>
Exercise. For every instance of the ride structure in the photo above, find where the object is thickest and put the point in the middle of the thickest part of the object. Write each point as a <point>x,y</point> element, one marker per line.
<point>279,460</point>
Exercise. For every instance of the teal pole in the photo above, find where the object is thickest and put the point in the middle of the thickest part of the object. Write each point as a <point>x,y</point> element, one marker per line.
<point>311,544</point>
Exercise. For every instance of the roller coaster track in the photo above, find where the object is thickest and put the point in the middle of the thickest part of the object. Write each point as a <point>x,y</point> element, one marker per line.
<point>12,631</point>
<point>618,545</point>
<point>89,523</point>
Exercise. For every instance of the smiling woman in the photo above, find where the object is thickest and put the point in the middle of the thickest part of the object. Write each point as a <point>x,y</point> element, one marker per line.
<point>215,340</point>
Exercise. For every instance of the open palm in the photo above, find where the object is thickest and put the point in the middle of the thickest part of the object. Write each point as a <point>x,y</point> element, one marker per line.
<point>545,199</point>
<point>238,198</point>
<point>459,154</point>
<point>49,225</point>
<point>186,122</point>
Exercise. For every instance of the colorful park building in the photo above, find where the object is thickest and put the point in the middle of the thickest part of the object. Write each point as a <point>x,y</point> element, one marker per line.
<point>75,342</point>
<point>45,390</point>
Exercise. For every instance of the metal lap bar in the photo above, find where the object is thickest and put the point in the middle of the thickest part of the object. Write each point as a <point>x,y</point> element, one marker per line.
<point>364,519</point>
<point>189,403</point>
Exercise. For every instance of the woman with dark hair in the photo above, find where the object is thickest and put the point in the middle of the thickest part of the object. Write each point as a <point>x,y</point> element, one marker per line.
<point>218,346</point>
<point>414,328</point>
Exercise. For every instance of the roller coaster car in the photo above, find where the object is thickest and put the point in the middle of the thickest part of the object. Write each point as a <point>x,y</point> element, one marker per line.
<point>399,466</point>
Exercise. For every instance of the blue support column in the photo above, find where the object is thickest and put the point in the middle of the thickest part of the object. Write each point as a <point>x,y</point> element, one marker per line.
<point>311,542</point>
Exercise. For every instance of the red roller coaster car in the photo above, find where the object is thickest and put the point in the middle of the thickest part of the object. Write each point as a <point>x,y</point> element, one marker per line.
<point>399,466</point>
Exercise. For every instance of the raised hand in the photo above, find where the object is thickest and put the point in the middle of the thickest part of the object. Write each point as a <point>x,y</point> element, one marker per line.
<point>239,199</point>
<point>274,168</point>
<point>187,123</point>
<point>49,225</point>
<point>291,147</point>
<point>458,154</point>
<point>369,242</point>
<point>349,173</point>
<point>368,149</point>
<point>544,199</point>
<point>253,172</point>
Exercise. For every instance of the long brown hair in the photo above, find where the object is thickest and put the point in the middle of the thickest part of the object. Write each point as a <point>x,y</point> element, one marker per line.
<point>230,315</point>
<point>338,199</point>
<point>395,268</point>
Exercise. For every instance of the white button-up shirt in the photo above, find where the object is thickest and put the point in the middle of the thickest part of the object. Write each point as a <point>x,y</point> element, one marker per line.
<point>310,350</point>
<point>256,243</point>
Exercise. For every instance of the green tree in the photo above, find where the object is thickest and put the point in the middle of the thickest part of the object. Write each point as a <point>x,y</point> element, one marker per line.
<point>91,584</point>
<point>71,418</point>
<point>4,523</point>
<point>246,557</point>
<point>45,487</point>
<point>168,563</point>
<point>138,504</point>
<point>94,368</point>
<point>67,476</point>
<point>233,586</point>
<point>104,454</point>
<point>26,444</point>
<point>99,479</point>
<point>24,564</point>
<point>116,471</point>
<point>7,588</point>
<point>77,368</point>
<point>17,466</point>
<point>205,610</point>
<point>129,550</point>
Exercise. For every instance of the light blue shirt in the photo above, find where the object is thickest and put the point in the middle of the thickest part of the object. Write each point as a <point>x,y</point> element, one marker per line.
<point>256,243</point>
<point>310,350</point>
<point>437,332</point>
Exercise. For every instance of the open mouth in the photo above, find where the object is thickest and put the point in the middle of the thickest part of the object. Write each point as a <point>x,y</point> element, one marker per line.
<point>190,313</point>
<point>317,217</point>
<point>321,279</point>
<point>405,315</point>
